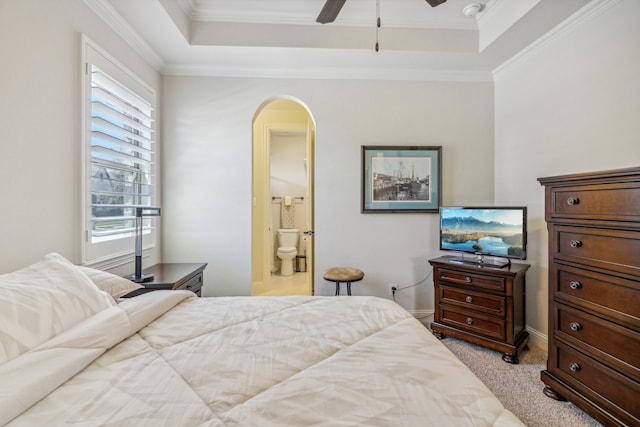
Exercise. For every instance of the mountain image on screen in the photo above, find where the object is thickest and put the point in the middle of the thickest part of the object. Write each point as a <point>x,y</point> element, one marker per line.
<point>470,234</point>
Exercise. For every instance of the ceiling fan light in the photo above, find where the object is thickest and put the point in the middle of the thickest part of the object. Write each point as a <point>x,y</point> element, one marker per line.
<point>471,10</point>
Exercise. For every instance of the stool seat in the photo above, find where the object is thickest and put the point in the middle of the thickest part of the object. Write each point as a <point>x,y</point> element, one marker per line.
<point>343,275</point>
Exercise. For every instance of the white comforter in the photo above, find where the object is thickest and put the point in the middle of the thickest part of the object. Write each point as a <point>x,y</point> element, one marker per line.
<point>167,358</point>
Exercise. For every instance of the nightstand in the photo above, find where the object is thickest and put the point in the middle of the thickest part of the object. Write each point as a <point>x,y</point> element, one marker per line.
<point>173,276</point>
<point>482,305</point>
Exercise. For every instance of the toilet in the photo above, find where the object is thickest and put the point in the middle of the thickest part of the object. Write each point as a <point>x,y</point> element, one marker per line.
<point>287,249</point>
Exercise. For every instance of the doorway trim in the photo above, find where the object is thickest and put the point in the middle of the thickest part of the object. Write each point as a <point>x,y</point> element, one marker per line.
<point>262,235</point>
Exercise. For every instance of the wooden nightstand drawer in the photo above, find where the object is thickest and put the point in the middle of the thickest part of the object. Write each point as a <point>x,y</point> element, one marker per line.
<point>616,250</point>
<point>471,280</point>
<point>473,322</point>
<point>490,304</point>
<point>194,284</point>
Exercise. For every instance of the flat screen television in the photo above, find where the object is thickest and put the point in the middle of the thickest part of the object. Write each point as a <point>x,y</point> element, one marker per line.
<point>496,232</point>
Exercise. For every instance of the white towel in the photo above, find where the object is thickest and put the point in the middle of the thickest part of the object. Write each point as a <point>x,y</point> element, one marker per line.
<point>287,215</point>
<point>287,200</point>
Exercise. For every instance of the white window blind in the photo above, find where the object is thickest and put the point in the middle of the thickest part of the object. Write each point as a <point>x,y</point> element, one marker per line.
<point>120,159</point>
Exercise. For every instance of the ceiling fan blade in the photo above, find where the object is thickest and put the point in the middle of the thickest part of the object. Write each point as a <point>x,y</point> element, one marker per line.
<point>330,11</point>
<point>435,3</point>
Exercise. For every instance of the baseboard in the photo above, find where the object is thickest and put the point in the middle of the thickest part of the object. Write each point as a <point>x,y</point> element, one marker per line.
<point>424,316</point>
<point>537,338</point>
<point>258,287</point>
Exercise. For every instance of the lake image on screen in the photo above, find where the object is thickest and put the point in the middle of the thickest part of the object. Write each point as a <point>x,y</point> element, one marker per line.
<point>493,232</point>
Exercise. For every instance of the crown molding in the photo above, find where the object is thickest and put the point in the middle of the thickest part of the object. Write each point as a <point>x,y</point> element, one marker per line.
<point>499,17</point>
<point>296,19</point>
<point>581,17</point>
<point>489,10</point>
<point>286,13</point>
<point>112,18</point>
<point>188,7</point>
<point>330,74</point>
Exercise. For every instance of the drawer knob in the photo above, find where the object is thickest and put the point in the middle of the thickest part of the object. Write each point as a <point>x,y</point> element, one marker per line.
<point>575,326</point>
<point>573,201</point>
<point>467,279</point>
<point>574,367</point>
<point>575,285</point>
<point>469,321</point>
<point>575,243</point>
<point>469,298</point>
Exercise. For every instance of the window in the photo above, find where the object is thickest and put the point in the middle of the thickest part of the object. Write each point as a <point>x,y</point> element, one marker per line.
<point>119,156</point>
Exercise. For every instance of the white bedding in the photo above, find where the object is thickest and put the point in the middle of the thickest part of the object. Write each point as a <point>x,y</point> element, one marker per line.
<point>167,358</point>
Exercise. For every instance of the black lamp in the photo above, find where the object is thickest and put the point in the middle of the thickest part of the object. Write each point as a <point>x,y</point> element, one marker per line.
<point>141,212</point>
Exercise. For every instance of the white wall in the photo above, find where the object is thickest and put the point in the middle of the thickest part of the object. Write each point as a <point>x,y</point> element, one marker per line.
<point>207,173</point>
<point>570,105</point>
<point>40,124</point>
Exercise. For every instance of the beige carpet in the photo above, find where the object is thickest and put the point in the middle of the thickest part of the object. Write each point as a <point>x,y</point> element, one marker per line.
<point>519,387</point>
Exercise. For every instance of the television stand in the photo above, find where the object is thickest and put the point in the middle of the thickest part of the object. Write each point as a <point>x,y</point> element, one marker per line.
<point>481,261</point>
<point>485,306</point>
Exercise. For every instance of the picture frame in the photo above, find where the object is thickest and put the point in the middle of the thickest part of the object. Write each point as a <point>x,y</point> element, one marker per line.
<point>401,179</point>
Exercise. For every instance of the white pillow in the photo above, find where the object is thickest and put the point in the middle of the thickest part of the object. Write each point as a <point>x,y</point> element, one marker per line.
<point>42,300</point>
<point>115,286</point>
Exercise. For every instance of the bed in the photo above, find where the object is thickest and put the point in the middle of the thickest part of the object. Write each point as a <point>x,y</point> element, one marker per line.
<point>74,353</point>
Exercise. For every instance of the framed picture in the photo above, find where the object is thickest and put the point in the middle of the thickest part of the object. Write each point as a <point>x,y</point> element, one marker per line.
<point>401,179</point>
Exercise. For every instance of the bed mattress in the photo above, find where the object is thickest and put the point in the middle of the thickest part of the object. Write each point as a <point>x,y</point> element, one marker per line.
<point>167,358</point>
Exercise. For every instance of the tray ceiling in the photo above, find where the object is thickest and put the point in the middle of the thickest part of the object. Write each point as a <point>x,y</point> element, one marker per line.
<point>280,38</point>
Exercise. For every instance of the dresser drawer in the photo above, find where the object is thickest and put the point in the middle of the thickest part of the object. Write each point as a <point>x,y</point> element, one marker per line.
<point>471,280</point>
<point>608,202</point>
<point>579,369</point>
<point>473,322</point>
<point>490,304</point>
<point>610,296</point>
<point>617,250</point>
<point>615,343</point>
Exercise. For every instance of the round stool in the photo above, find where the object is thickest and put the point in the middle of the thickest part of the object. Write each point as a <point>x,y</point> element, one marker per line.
<point>343,275</point>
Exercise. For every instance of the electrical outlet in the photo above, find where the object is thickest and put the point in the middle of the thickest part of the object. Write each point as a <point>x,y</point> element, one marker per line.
<point>393,288</point>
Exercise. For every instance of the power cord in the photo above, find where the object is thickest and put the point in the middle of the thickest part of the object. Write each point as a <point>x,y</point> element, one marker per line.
<point>395,289</point>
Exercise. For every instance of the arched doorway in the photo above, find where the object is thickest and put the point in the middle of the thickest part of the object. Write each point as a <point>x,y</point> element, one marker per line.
<point>283,197</point>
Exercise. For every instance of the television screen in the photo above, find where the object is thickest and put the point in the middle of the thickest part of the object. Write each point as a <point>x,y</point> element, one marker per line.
<point>484,231</point>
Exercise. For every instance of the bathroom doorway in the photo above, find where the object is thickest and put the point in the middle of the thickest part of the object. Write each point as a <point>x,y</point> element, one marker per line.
<point>283,199</point>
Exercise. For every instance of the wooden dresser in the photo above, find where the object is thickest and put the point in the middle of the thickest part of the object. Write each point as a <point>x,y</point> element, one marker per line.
<point>594,293</point>
<point>482,305</point>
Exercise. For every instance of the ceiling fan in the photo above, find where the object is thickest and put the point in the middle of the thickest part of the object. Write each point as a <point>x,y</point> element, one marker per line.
<point>331,9</point>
